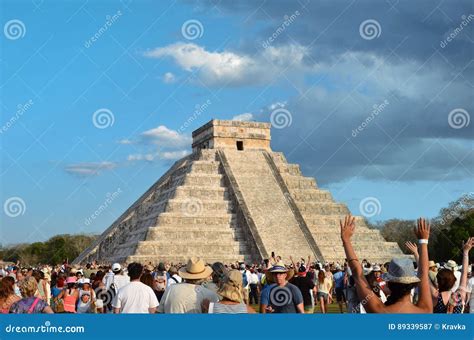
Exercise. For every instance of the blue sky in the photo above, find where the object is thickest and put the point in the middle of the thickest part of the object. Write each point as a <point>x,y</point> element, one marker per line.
<point>153,65</point>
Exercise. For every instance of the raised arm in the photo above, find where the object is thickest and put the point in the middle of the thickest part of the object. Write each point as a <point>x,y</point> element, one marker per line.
<point>422,232</point>
<point>364,291</point>
<point>465,265</point>
<point>414,250</point>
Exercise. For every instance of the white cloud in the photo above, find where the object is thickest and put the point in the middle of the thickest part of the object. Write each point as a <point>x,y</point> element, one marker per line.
<point>161,155</point>
<point>166,138</point>
<point>89,169</point>
<point>229,68</point>
<point>125,141</point>
<point>243,117</point>
<point>169,78</point>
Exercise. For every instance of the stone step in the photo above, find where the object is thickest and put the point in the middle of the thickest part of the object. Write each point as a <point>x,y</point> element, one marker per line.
<point>209,155</point>
<point>183,258</point>
<point>196,207</point>
<point>189,191</point>
<point>332,220</point>
<point>289,169</point>
<point>322,208</point>
<point>299,182</point>
<point>216,249</point>
<point>173,219</point>
<point>312,194</point>
<point>204,166</point>
<point>178,234</point>
<point>205,180</point>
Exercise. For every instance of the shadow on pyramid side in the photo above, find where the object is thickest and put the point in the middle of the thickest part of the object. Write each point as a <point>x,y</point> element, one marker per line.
<point>233,199</point>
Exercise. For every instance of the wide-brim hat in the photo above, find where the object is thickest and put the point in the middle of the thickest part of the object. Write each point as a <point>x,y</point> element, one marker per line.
<point>431,264</point>
<point>231,288</point>
<point>278,267</point>
<point>401,270</point>
<point>451,265</point>
<point>195,269</point>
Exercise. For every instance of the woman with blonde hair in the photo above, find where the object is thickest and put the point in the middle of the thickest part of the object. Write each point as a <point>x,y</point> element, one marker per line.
<point>29,303</point>
<point>231,291</point>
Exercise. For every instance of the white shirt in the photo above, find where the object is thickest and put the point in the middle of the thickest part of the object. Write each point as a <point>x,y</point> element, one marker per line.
<point>118,280</point>
<point>135,297</point>
<point>457,274</point>
<point>171,280</point>
<point>247,273</point>
<point>185,298</point>
<point>253,278</point>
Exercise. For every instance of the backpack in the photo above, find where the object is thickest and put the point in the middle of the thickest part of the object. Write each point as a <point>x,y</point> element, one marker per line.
<point>245,281</point>
<point>110,295</point>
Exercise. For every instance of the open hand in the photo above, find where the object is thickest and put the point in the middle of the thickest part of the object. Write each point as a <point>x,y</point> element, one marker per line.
<point>422,230</point>
<point>412,247</point>
<point>468,245</point>
<point>347,228</point>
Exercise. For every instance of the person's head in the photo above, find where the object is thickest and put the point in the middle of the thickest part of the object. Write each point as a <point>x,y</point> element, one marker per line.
<point>60,282</point>
<point>86,284</point>
<point>433,267</point>
<point>147,278</point>
<point>135,270</point>
<point>219,272</point>
<point>231,288</point>
<point>445,279</point>
<point>116,268</point>
<point>400,278</point>
<point>321,276</point>
<point>38,275</point>
<point>173,271</point>
<point>85,297</point>
<point>377,271</point>
<point>280,273</point>
<point>28,287</point>
<point>71,282</point>
<point>6,287</point>
<point>161,267</point>
<point>167,266</point>
<point>195,271</point>
<point>99,275</point>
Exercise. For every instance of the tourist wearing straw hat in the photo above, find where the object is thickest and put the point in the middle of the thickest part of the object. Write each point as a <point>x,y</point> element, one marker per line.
<point>282,296</point>
<point>188,297</point>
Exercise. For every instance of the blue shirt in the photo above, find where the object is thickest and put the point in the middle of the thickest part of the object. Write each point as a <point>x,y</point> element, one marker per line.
<point>282,299</point>
<point>339,279</point>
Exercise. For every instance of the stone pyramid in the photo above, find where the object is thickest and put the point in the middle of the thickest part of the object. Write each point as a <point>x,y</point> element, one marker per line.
<point>233,199</point>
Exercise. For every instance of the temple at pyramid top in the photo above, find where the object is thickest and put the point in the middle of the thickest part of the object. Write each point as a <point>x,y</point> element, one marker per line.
<point>233,199</point>
<point>231,134</point>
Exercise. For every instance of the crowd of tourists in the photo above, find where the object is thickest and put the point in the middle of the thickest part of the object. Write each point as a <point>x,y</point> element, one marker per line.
<point>410,284</point>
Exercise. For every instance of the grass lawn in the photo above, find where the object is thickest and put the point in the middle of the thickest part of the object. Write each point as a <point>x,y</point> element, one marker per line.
<point>332,308</point>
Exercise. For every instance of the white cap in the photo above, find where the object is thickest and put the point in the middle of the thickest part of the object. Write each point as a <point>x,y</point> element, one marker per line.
<point>86,281</point>
<point>116,267</point>
<point>99,303</point>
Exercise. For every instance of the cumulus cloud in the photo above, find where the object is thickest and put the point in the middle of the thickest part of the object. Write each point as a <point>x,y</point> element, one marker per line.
<point>89,168</point>
<point>231,68</point>
<point>243,117</point>
<point>165,137</point>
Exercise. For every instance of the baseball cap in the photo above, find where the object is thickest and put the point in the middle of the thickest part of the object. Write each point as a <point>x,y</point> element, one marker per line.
<point>116,267</point>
